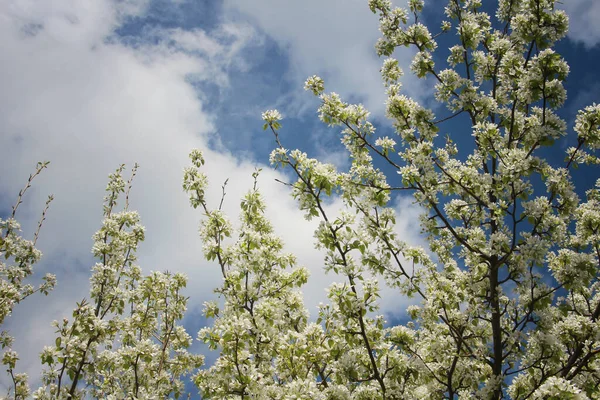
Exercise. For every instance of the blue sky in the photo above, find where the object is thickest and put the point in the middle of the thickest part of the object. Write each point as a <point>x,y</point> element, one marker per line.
<point>90,85</point>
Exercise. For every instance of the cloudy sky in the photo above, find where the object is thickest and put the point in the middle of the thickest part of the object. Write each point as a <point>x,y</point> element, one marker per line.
<point>89,85</point>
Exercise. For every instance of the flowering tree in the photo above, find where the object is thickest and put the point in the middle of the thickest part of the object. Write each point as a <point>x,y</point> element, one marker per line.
<point>19,255</point>
<point>126,341</point>
<point>507,294</point>
<point>509,287</point>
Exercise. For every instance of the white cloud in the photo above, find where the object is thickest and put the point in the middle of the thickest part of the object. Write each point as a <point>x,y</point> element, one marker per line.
<point>88,104</point>
<point>583,21</point>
